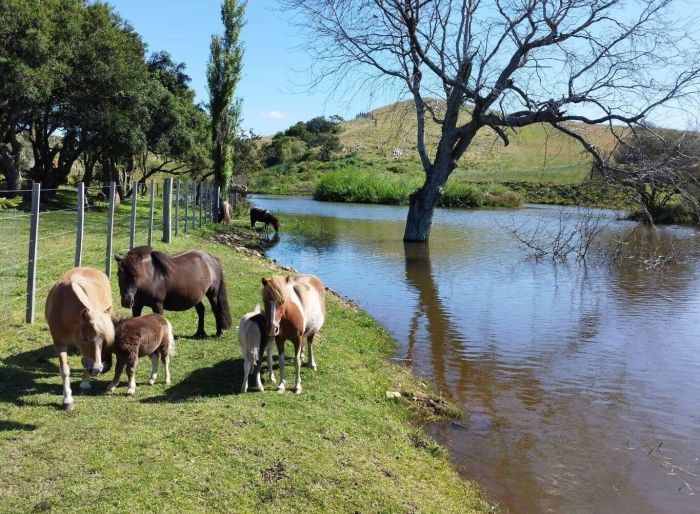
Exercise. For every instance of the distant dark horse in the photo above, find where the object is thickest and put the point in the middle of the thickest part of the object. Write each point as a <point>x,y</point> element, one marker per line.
<point>264,216</point>
<point>177,283</point>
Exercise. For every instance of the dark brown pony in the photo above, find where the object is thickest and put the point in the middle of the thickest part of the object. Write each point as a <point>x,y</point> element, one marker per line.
<point>265,217</point>
<point>148,278</point>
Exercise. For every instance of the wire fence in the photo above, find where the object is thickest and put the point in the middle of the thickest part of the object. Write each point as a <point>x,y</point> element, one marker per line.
<point>85,226</point>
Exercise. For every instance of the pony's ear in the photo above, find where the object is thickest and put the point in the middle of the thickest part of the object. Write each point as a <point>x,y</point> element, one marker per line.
<point>118,258</point>
<point>288,279</point>
<point>85,315</point>
<point>264,281</point>
<point>108,310</point>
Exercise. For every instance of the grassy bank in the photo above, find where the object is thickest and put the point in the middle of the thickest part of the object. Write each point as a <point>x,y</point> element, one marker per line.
<point>391,189</point>
<point>197,445</point>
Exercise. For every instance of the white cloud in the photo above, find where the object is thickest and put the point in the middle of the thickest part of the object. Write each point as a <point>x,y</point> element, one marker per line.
<point>274,115</point>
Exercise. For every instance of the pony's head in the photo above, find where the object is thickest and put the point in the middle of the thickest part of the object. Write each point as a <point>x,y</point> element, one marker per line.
<point>275,223</point>
<point>274,294</point>
<point>96,335</point>
<point>136,269</point>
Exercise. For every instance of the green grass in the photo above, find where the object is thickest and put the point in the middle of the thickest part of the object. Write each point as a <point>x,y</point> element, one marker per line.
<point>394,189</point>
<point>197,445</point>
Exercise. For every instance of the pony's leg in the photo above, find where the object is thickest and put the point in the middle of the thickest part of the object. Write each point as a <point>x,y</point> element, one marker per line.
<point>117,374</point>
<point>136,310</point>
<point>247,365</point>
<point>311,361</point>
<point>157,308</point>
<point>131,373</point>
<point>154,368</point>
<point>271,373</point>
<point>298,345</point>
<point>67,402</point>
<point>166,366</point>
<point>280,353</point>
<point>85,382</point>
<point>214,302</point>
<point>200,322</point>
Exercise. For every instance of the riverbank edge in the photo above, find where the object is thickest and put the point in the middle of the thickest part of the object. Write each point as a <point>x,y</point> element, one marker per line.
<point>541,193</point>
<point>424,405</point>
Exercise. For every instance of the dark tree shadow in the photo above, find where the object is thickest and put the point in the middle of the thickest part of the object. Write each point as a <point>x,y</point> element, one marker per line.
<point>6,426</point>
<point>19,375</point>
<point>223,378</point>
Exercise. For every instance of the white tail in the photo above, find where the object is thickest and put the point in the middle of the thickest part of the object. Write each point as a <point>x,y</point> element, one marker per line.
<point>171,339</point>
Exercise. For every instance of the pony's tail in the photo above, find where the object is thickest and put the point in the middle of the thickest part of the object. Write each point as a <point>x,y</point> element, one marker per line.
<point>171,339</point>
<point>222,304</point>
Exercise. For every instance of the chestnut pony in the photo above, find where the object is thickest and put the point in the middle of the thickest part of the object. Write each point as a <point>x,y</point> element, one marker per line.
<point>79,313</point>
<point>294,308</point>
<point>173,283</point>
<point>264,216</point>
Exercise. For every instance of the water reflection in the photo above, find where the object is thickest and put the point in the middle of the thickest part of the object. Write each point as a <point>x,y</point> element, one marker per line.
<point>580,384</point>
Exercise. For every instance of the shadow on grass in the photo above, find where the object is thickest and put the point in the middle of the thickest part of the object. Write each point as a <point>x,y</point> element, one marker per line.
<point>223,378</point>
<point>19,375</point>
<point>6,426</point>
<point>23,375</point>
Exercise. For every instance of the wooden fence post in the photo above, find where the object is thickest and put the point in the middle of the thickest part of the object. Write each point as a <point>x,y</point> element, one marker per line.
<point>150,215</point>
<point>167,207</point>
<point>80,224</point>
<point>132,227</point>
<point>187,197</point>
<point>177,206</point>
<point>31,263</point>
<point>110,226</point>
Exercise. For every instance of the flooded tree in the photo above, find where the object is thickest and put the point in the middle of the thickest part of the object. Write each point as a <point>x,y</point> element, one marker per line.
<point>661,169</point>
<point>502,65</point>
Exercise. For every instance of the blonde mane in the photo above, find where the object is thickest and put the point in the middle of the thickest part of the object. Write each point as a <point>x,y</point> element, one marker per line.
<point>275,289</point>
<point>104,324</point>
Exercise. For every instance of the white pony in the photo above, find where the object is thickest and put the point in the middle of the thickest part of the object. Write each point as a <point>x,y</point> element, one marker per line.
<point>251,337</point>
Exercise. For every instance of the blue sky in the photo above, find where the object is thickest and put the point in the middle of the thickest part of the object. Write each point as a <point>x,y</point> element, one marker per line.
<point>270,86</point>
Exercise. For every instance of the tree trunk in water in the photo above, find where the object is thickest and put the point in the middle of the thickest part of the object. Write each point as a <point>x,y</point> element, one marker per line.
<point>422,205</point>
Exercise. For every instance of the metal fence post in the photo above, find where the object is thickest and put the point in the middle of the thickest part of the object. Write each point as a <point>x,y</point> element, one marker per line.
<point>201,201</point>
<point>150,215</point>
<point>187,197</point>
<point>132,228</point>
<point>167,206</point>
<point>110,226</point>
<point>80,224</point>
<point>177,206</point>
<point>31,263</point>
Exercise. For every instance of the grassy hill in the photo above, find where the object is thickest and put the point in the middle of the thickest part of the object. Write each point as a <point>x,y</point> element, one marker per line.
<point>540,163</point>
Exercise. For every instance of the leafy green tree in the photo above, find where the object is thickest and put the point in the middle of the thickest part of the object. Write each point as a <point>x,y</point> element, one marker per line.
<point>223,74</point>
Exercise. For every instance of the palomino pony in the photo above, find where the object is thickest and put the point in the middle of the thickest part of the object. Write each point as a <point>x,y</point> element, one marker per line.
<point>264,216</point>
<point>150,335</point>
<point>177,283</point>
<point>225,213</point>
<point>79,313</point>
<point>294,308</point>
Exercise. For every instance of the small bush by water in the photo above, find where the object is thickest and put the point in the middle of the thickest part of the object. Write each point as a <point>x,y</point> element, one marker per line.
<point>394,189</point>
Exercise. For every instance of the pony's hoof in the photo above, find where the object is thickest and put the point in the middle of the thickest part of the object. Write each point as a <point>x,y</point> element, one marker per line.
<point>110,389</point>
<point>167,381</point>
<point>68,406</point>
<point>151,381</point>
<point>297,390</point>
<point>85,385</point>
<point>313,366</point>
<point>130,391</point>
<point>280,388</point>
<point>272,379</point>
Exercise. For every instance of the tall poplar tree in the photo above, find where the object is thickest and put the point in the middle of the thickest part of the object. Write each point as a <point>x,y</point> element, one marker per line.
<point>223,74</point>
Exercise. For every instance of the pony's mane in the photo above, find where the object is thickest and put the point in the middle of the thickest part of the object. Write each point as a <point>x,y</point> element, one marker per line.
<point>104,325</point>
<point>162,262</point>
<point>275,289</point>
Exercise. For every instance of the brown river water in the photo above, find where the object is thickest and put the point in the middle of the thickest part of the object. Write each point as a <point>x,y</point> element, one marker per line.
<point>580,384</point>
